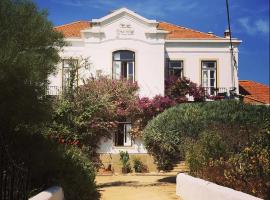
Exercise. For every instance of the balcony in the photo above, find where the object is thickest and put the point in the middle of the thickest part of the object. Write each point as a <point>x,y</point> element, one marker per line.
<point>54,90</point>
<point>224,92</point>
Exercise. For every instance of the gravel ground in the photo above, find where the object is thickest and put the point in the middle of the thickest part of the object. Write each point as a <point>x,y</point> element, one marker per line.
<point>128,187</point>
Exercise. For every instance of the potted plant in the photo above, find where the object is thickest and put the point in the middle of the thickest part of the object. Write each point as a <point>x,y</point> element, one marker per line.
<point>124,158</point>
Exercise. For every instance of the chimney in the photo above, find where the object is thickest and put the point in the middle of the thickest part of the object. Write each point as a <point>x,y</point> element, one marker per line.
<point>227,33</point>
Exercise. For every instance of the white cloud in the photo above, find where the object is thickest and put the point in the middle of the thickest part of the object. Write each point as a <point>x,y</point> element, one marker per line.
<point>262,26</point>
<point>253,27</point>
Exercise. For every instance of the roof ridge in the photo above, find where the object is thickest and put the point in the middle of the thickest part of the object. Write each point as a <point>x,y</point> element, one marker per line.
<point>254,82</point>
<point>72,23</point>
<point>189,29</point>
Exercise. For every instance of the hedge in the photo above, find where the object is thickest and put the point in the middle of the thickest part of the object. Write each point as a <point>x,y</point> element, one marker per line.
<point>168,135</point>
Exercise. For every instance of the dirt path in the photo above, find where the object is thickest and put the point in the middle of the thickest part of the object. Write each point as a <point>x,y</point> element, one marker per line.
<point>136,187</point>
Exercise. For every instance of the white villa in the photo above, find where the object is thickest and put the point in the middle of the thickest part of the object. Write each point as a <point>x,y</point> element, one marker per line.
<point>125,44</point>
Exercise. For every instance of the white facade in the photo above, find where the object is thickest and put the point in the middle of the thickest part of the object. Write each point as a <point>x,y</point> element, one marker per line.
<point>125,30</point>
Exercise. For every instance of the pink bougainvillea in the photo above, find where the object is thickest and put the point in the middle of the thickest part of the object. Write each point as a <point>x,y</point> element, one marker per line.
<point>179,88</point>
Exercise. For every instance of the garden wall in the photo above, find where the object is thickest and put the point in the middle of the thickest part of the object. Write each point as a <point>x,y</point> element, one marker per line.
<point>53,193</point>
<point>190,188</point>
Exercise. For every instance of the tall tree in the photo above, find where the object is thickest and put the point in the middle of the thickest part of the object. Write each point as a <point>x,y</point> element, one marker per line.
<point>28,54</point>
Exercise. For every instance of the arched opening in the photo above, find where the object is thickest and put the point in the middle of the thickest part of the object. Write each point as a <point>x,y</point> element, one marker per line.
<point>124,65</point>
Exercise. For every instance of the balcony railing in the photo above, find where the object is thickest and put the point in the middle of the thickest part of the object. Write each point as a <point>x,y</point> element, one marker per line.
<point>219,92</point>
<point>209,91</point>
<point>54,90</point>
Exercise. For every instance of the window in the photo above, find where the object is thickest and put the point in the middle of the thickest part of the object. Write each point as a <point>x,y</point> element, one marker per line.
<point>123,137</point>
<point>175,68</point>
<point>69,65</point>
<point>209,74</point>
<point>123,65</point>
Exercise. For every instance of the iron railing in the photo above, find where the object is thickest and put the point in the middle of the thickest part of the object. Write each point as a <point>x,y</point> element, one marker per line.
<point>221,91</point>
<point>54,90</point>
<point>14,177</point>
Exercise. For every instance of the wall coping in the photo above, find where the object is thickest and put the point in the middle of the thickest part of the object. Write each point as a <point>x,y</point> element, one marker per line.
<point>52,193</point>
<point>190,188</point>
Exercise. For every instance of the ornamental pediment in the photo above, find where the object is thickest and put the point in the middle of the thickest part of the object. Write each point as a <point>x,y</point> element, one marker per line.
<point>123,23</point>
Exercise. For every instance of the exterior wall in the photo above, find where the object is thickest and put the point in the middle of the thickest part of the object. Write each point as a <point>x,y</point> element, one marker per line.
<point>113,160</point>
<point>109,155</point>
<point>107,146</point>
<point>149,54</point>
<point>148,58</point>
<point>193,53</point>
<point>127,32</point>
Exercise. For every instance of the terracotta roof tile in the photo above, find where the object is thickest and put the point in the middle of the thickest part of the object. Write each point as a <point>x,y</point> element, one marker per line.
<point>175,32</point>
<point>254,92</point>
<point>178,32</point>
<point>72,30</point>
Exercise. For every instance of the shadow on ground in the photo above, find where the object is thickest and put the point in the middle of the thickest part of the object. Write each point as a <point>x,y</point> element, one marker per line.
<point>170,179</point>
<point>163,181</point>
<point>118,183</point>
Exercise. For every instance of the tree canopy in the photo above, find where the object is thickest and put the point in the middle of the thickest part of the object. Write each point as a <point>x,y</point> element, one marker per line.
<point>28,54</point>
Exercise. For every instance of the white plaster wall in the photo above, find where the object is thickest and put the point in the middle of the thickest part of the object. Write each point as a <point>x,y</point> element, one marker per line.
<point>190,188</point>
<point>107,146</point>
<point>193,53</point>
<point>99,42</point>
<point>149,58</point>
<point>149,54</point>
<point>53,193</point>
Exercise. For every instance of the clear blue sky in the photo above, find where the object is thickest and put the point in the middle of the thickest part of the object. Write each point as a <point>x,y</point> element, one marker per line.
<point>249,19</point>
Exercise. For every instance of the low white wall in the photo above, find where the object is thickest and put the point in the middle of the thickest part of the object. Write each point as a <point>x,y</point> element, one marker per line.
<point>190,188</point>
<point>52,193</point>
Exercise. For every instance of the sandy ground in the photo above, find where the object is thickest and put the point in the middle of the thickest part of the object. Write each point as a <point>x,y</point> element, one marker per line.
<point>130,187</point>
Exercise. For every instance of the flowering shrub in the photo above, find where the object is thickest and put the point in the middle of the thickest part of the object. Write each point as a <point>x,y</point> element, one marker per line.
<point>179,88</point>
<point>147,109</point>
<point>93,112</point>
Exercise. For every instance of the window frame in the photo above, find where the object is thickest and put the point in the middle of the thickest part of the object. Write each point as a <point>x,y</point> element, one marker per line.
<point>124,60</point>
<point>63,67</point>
<point>208,69</point>
<point>124,136</point>
<point>169,66</point>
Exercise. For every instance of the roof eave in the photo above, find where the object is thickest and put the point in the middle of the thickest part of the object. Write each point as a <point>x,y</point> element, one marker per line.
<point>204,40</point>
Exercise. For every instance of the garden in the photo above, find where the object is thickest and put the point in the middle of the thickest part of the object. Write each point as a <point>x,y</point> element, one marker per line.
<point>226,142</point>
<point>56,139</point>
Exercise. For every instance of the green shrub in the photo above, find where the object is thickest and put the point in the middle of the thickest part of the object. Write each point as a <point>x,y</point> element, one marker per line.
<point>249,169</point>
<point>55,164</point>
<point>163,135</point>
<point>124,158</point>
<point>138,165</point>
<point>229,144</point>
<point>168,135</point>
<point>208,147</point>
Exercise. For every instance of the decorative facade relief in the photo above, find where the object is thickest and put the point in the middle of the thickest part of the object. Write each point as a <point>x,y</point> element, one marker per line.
<point>125,29</point>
